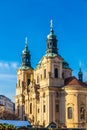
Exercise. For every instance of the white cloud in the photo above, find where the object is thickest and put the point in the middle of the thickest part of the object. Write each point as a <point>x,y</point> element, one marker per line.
<point>14,65</point>
<point>1,64</point>
<point>8,70</point>
<point>8,65</point>
<point>4,65</point>
<point>8,78</point>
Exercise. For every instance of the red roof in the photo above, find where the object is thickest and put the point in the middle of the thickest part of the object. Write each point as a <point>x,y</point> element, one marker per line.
<point>73,81</point>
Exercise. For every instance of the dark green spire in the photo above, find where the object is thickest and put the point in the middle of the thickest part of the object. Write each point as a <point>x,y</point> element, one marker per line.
<point>26,55</point>
<point>80,75</point>
<point>51,41</point>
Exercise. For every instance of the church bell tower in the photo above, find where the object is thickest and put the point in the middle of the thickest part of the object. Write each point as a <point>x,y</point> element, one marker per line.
<point>24,79</point>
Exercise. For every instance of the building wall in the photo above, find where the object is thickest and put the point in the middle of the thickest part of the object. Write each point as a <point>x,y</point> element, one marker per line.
<point>7,103</point>
<point>39,100</point>
<point>75,98</point>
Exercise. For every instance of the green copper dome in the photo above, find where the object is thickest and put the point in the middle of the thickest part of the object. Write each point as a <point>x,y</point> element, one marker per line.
<point>26,56</point>
<point>65,64</point>
<point>51,35</point>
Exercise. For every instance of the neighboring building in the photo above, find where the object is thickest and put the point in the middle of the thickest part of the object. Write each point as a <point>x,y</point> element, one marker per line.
<point>6,104</point>
<point>49,94</point>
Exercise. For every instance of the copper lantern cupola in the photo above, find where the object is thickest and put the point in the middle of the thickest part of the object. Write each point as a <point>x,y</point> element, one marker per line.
<point>26,55</point>
<point>51,41</point>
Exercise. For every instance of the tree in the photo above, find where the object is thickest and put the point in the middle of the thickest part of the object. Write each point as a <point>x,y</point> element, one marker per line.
<point>4,114</point>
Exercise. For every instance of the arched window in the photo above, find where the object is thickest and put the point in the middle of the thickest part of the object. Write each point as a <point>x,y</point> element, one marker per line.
<point>43,95</point>
<point>28,81</point>
<point>56,73</point>
<point>37,79</point>
<point>44,108</point>
<point>19,82</point>
<point>44,73</point>
<point>57,107</point>
<point>69,112</point>
<point>50,43</point>
<point>30,108</point>
<point>41,76</point>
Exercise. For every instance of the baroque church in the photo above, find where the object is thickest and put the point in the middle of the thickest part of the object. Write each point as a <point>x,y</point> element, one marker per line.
<point>49,93</point>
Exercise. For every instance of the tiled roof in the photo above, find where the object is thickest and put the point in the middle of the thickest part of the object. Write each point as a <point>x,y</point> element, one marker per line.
<point>73,81</point>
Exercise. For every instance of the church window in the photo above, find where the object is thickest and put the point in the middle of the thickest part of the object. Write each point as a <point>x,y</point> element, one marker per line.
<point>69,112</point>
<point>50,43</point>
<point>30,108</point>
<point>41,76</point>
<point>44,73</point>
<point>44,108</point>
<point>38,110</point>
<point>37,79</point>
<point>44,95</point>
<point>44,123</point>
<point>57,107</point>
<point>22,83</point>
<point>28,81</point>
<point>56,73</point>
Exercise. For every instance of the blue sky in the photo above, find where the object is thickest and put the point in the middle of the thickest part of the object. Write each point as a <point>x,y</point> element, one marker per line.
<point>31,18</point>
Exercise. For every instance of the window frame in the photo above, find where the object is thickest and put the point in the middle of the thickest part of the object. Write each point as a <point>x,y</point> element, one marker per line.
<point>44,108</point>
<point>30,108</point>
<point>69,112</point>
<point>56,72</point>
<point>44,73</point>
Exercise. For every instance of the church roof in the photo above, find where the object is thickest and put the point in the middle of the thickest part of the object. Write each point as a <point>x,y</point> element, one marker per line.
<point>65,65</point>
<point>24,67</point>
<point>48,55</point>
<point>74,81</point>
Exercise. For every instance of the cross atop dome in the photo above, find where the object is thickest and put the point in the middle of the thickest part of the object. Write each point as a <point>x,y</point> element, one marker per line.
<point>26,42</point>
<point>51,24</point>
